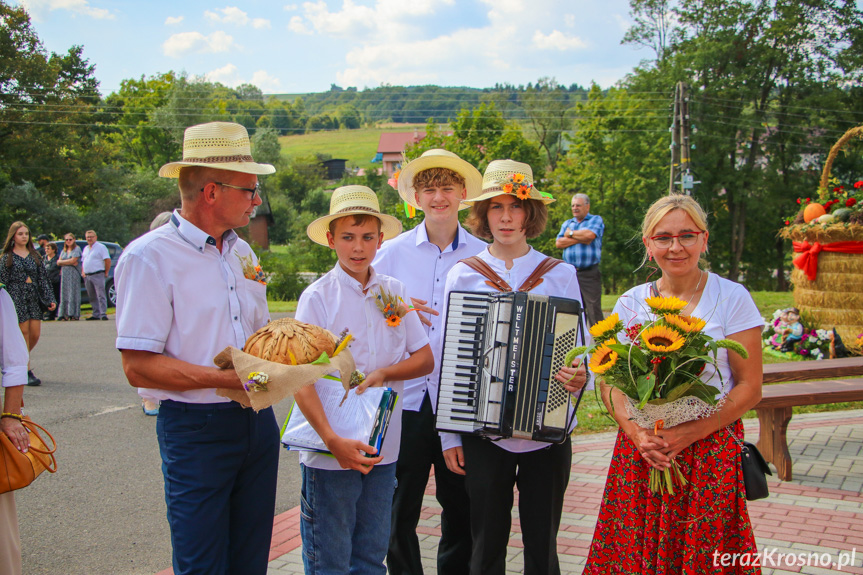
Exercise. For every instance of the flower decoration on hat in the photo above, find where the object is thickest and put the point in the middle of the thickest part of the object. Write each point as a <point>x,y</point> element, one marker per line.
<point>515,184</point>
<point>393,307</point>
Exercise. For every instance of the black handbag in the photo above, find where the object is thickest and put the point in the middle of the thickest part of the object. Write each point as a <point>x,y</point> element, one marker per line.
<point>754,469</point>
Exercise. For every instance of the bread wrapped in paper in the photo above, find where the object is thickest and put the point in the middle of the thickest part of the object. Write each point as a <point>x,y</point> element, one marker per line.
<point>281,358</point>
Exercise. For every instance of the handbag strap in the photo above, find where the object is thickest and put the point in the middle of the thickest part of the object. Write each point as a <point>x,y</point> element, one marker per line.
<point>51,464</point>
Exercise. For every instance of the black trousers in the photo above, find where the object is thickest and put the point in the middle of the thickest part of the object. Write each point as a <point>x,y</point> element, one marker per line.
<point>420,450</point>
<point>541,477</point>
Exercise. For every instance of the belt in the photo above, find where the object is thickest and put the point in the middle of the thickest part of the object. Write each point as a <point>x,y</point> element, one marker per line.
<point>587,268</point>
<point>184,405</point>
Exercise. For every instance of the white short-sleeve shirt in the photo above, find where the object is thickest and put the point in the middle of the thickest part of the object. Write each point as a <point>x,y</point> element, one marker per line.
<point>423,268</point>
<point>178,295</point>
<point>13,350</point>
<point>93,258</point>
<point>726,306</point>
<point>336,302</point>
<point>561,281</point>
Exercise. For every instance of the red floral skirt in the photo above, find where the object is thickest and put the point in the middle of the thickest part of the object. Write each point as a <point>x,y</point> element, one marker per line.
<point>696,530</point>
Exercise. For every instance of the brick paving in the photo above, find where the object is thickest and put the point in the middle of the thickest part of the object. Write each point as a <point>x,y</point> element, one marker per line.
<point>819,513</point>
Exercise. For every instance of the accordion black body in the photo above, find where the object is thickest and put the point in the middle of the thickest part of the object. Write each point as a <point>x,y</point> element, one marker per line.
<point>500,353</point>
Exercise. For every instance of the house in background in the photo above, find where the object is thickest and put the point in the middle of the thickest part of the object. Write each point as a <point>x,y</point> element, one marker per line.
<point>258,230</point>
<point>391,148</point>
<point>335,168</point>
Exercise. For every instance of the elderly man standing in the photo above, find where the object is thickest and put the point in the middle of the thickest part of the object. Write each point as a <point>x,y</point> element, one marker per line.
<point>96,265</point>
<point>580,238</point>
<point>185,291</point>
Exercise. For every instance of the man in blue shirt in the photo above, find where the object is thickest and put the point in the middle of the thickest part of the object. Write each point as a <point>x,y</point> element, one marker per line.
<point>580,238</point>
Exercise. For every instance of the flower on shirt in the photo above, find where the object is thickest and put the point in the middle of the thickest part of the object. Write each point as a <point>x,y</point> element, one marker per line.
<point>251,271</point>
<point>393,307</point>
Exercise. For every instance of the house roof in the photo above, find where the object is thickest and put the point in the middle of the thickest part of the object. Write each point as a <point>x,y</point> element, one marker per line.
<point>395,142</point>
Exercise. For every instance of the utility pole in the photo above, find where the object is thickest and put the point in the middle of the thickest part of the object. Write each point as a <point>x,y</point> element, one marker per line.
<point>681,143</point>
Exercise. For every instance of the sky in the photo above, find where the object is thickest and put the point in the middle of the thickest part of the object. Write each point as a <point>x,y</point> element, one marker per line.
<point>300,47</point>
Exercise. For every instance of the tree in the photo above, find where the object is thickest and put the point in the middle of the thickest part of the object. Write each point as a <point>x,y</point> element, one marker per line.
<point>546,106</point>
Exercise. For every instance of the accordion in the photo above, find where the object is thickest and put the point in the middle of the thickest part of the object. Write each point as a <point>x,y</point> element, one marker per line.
<point>500,354</point>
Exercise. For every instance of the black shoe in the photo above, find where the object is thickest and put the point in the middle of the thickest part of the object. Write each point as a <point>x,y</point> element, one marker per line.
<point>91,318</point>
<point>32,380</point>
<point>104,318</point>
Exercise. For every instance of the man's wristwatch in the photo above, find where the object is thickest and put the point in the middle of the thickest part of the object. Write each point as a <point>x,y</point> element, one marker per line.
<point>569,233</point>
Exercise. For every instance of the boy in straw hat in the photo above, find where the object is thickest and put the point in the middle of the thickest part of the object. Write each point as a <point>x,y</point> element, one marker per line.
<point>509,211</point>
<point>436,183</point>
<point>185,291</point>
<point>345,523</point>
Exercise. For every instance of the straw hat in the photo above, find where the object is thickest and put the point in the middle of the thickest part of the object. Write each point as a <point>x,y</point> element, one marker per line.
<point>438,159</point>
<point>509,177</point>
<point>349,200</point>
<point>219,145</point>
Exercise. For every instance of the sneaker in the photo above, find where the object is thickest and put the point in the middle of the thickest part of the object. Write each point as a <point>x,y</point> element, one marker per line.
<point>104,318</point>
<point>91,318</point>
<point>150,407</point>
<point>32,379</point>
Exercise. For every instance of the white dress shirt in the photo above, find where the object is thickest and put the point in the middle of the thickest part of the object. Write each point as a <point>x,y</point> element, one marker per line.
<point>13,350</point>
<point>423,268</point>
<point>337,302</point>
<point>178,295</point>
<point>561,281</point>
<point>93,258</point>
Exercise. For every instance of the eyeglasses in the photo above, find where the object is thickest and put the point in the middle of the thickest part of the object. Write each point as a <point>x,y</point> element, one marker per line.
<point>253,192</point>
<point>686,239</point>
<point>70,239</point>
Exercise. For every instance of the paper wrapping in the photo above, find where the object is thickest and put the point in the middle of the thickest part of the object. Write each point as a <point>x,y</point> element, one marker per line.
<point>284,380</point>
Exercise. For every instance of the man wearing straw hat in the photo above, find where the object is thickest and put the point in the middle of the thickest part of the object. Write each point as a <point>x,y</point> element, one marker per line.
<point>435,183</point>
<point>185,291</point>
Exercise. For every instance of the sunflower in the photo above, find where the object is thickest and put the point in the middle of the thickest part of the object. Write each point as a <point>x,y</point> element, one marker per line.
<point>662,339</point>
<point>394,320</point>
<point>507,188</point>
<point>603,358</point>
<point>518,178</point>
<point>685,323</point>
<point>523,193</point>
<point>665,305</point>
<point>606,328</point>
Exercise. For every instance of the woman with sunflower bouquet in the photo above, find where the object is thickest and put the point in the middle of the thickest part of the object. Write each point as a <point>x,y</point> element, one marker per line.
<point>642,527</point>
<point>510,210</point>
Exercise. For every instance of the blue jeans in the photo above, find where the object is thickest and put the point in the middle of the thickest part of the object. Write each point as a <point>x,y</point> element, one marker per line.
<point>220,463</point>
<point>345,520</point>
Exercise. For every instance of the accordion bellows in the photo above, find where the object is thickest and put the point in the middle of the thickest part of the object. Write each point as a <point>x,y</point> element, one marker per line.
<point>290,342</point>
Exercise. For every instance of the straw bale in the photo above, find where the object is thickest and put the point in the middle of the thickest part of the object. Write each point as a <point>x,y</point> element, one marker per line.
<point>843,232</point>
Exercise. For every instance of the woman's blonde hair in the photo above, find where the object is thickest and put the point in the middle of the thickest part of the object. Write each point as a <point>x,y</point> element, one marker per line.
<point>666,204</point>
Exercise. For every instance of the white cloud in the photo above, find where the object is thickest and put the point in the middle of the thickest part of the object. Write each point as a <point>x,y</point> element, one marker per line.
<point>226,75</point>
<point>172,20</point>
<point>296,25</point>
<point>557,40</point>
<point>569,20</point>
<point>267,83</point>
<point>290,7</point>
<point>35,7</point>
<point>382,20</point>
<point>236,17</point>
<point>186,42</point>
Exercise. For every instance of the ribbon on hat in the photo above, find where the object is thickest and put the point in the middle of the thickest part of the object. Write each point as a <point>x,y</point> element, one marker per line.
<point>807,261</point>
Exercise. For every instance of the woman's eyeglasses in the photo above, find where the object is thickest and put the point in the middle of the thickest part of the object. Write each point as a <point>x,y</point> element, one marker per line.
<point>686,239</point>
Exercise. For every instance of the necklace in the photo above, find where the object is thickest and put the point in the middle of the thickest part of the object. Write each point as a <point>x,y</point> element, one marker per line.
<point>692,295</point>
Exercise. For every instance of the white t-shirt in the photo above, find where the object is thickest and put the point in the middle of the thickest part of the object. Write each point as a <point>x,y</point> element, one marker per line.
<point>336,302</point>
<point>561,281</point>
<point>727,308</point>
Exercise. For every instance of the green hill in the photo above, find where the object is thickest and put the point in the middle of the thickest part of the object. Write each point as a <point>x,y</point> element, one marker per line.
<point>358,147</point>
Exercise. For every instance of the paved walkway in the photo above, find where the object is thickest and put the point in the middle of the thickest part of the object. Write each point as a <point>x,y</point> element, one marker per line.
<point>820,512</point>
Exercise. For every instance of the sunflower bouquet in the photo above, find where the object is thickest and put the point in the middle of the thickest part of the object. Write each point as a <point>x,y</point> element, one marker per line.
<point>658,367</point>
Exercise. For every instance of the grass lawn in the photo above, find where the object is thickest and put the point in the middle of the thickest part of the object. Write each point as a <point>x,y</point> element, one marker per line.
<point>358,147</point>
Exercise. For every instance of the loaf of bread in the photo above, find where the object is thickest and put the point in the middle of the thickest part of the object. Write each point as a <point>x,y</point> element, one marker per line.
<point>290,342</point>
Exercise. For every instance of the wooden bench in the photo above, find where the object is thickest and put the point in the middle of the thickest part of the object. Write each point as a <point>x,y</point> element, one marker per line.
<point>774,409</point>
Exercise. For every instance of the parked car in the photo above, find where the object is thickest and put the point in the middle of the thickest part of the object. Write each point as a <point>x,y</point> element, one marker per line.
<point>114,250</point>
